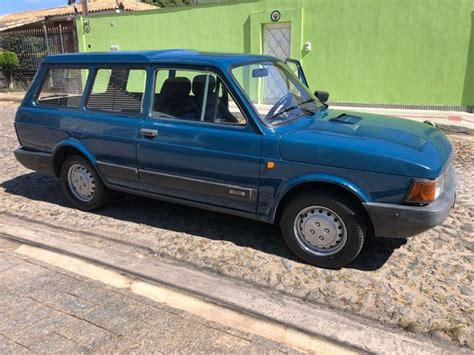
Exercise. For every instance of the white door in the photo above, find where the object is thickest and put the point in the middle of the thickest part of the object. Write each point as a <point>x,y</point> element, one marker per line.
<point>276,43</point>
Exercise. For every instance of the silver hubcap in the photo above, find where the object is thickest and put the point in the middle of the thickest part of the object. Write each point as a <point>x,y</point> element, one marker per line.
<point>81,182</point>
<point>320,231</point>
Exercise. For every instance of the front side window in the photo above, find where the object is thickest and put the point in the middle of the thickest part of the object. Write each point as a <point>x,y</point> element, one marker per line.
<point>118,90</point>
<point>276,93</point>
<point>63,87</point>
<point>194,96</point>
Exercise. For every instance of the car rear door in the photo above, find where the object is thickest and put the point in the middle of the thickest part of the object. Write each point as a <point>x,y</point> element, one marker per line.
<point>196,144</point>
<point>114,109</point>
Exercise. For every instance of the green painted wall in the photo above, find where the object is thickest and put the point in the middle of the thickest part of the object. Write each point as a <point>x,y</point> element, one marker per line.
<point>366,51</point>
<point>400,51</point>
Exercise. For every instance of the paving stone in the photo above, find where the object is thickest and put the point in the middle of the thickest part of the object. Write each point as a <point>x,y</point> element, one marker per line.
<point>86,334</point>
<point>93,293</point>
<point>8,346</point>
<point>118,316</point>
<point>161,339</point>
<point>21,318</point>
<point>159,318</point>
<point>70,304</point>
<point>259,342</point>
<point>125,345</point>
<point>57,343</point>
<point>20,274</point>
<point>8,262</point>
<point>7,296</point>
<point>466,290</point>
<point>38,330</point>
<point>192,337</point>
<point>48,288</point>
<point>15,305</point>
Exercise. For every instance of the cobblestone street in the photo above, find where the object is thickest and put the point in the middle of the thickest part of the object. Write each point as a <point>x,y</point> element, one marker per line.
<point>423,285</point>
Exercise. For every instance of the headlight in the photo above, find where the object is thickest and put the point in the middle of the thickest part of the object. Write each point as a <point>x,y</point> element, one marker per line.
<point>425,191</point>
<point>421,192</point>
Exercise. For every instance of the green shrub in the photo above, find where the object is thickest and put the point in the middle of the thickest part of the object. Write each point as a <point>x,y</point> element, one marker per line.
<point>8,59</point>
<point>8,64</point>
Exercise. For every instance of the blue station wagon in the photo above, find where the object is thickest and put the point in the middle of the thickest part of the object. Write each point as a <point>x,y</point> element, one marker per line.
<point>238,134</point>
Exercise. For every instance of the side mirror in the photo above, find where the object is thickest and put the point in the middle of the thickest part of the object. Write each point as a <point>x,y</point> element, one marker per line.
<point>322,96</point>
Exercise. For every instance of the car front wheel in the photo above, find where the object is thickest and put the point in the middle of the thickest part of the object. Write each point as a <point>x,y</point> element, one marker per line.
<point>324,229</point>
<point>82,184</point>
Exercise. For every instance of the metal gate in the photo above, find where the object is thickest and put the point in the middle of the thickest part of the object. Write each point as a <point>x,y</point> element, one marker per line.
<point>276,43</point>
<point>33,44</point>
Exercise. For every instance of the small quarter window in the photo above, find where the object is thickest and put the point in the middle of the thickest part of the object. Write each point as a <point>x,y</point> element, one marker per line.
<point>63,87</point>
<point>118,90</point>
<point>194,96</point>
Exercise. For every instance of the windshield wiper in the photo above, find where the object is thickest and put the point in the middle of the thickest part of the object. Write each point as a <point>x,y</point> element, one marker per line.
<point>306,101</point>
<point>291,108</point>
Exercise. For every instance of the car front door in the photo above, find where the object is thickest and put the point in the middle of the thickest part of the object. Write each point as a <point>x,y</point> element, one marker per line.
<point>196,144</point>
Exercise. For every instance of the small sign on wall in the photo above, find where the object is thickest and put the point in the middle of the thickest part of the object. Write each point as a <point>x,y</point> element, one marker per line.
<point>275,16</point>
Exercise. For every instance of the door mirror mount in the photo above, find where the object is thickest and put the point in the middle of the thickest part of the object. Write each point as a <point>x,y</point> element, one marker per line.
<point>322,96</point>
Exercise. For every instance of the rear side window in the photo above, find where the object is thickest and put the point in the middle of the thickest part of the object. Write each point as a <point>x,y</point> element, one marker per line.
<point>118,90</point>
<point>63,87</point>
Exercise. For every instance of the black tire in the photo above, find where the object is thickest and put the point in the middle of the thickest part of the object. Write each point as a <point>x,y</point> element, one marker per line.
<point>101,193</point>
<point>351,215</point>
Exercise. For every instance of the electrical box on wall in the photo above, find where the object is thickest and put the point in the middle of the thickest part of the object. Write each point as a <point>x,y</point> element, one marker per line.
<point>114,47</point>
<point>308,46</point>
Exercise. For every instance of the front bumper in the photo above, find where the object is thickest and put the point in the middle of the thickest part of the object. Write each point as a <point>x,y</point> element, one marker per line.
<point>400,221</point>
<point>37,161</point>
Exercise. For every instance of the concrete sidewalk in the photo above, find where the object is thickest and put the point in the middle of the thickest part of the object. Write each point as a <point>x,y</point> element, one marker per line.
<point>45,309</point>
<point>12,96</point>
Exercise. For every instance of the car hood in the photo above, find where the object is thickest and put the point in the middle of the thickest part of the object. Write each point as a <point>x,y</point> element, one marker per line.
<point>362,141</point>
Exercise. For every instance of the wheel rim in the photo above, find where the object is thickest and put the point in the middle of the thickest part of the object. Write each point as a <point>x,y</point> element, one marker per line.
<point>320,231</point>
<point>81,182</point>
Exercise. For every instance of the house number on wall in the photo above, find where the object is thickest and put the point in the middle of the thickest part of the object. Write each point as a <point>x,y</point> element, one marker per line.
<point>86,27</point>
<point>275,16</point>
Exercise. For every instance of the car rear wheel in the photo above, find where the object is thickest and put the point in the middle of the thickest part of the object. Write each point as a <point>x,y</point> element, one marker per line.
<point>324,229</point>
<point>82,185</point>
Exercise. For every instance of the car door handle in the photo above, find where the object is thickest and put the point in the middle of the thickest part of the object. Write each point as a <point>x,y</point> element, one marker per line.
<point>148,133</point>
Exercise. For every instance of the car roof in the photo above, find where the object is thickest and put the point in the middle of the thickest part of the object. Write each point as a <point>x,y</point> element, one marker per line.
<point>175,56</point>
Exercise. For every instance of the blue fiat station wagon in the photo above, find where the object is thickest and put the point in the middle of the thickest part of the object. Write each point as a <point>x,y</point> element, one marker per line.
<point>237,134</point>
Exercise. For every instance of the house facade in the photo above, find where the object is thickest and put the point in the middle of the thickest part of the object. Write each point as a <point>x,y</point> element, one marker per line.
<point>380,52</point>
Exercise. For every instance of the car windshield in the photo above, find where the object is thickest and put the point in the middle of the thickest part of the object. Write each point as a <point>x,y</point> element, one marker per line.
<point>276,93</point>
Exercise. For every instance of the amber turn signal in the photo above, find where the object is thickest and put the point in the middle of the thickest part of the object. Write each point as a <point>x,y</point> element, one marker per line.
<point>422,192</point>
<point>270,165</point>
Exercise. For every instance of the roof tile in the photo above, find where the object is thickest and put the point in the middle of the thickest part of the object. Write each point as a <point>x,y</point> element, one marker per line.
<point>22,18</point>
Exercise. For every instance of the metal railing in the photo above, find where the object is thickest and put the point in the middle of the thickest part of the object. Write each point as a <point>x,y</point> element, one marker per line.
<point>33,44</point>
